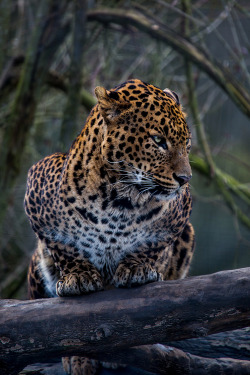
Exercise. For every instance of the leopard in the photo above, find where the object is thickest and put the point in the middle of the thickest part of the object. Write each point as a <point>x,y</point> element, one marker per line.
<point>114,211</point>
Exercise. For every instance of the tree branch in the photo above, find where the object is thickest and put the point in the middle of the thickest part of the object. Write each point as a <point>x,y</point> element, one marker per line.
<point>69,123</point>
<point>192,97</point>
<point>123,318</point>
<point>11,75</point>
<point>225,183</point>
<point>220,180</point>
<point>163,33</point>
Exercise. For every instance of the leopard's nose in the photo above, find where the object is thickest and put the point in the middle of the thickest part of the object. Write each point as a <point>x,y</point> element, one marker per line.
<point>182,179</point>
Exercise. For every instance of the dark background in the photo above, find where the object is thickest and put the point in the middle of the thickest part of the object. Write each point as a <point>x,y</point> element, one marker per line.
<point>53,55</point>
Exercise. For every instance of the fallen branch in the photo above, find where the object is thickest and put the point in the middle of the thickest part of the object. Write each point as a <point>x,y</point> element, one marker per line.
<point>163,359</point>
<point>232,344</point>
<point>168,360</point>
<point>122,318</point>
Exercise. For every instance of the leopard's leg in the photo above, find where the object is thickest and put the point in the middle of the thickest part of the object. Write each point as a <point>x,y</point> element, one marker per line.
<point>183,251</point>
<point>144,266</point>
<point>77,275</point>
<point>160,261</point>
<point>42,274</point>
<point>80,365</point>
<point>45,276</point>
<point>82,278</point>
<point>54,270</point>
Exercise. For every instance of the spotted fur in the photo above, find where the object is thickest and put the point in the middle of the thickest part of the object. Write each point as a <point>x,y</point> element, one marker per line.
<point>115,209</point>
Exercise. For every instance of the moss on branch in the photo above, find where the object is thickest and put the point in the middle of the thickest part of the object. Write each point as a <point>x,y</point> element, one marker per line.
<point>226,184</point>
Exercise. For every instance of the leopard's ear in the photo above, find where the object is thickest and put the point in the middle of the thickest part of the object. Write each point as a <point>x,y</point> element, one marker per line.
<point>110,103</point>
<point>173,95</point>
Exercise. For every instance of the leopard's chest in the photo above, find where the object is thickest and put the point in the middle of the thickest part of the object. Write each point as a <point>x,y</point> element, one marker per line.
<point>105,237</point>
<point>107,244</point>
<point>104,241</point>
<point>106,234</point>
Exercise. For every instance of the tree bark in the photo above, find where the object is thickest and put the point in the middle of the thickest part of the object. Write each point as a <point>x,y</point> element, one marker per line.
<point>164,360</point>
<point>122,318</point>
<point>168,360</point>
<point>233,344</point>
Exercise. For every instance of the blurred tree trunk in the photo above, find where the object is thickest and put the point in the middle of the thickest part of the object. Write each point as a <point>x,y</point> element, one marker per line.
<point>69,123</point>
<point>5,20</point>
<point>11,75</point>
<point>48,34</point>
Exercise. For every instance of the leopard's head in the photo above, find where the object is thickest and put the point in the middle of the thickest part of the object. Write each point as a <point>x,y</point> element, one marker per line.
<point>146,142</point>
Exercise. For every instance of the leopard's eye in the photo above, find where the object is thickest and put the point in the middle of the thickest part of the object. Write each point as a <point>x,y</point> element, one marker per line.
<point>188,143</point>
<point>160,141</point>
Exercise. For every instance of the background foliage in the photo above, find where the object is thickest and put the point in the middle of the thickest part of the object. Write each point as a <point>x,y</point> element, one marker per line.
<point>54,54</point>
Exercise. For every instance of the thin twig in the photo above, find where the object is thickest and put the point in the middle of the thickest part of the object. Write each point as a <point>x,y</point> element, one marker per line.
<point>193,103</point>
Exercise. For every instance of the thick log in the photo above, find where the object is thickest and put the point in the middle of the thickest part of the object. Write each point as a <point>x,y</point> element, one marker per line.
<point>160,359</point>
<point>168,360</point>
<point>232,344</point>
<point>220,350</point>
<point>90,325</point>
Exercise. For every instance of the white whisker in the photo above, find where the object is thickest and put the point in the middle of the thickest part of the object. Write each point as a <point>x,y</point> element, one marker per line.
<point>115,162</point>
<point>131,177</point>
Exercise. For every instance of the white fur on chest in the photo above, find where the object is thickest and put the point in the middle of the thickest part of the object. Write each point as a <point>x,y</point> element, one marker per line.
<point>107,244</point>
<point>116,233</point>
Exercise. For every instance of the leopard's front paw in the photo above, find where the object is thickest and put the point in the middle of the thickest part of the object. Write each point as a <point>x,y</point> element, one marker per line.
<point>131,275</point>
<point>76,284</point>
